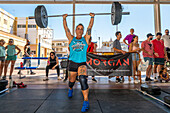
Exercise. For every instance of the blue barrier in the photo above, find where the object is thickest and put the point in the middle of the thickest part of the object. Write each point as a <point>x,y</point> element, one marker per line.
<point>26,67</point>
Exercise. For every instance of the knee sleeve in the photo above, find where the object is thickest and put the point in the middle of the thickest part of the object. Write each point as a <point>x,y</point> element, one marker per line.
<point>71,84</point>
<point>83,82</point>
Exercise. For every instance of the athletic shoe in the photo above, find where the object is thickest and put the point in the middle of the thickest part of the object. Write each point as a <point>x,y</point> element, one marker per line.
<point>155,79</point>
<point>21,85</point>
<point>70,93</point>
<point>19,73</point>
<point>94,80</point>
<point>32,73</point>
<point>122,80</point>
<point>64,80</point>
<point>150,79</point>
<point>4,78</point>
<point>59,78</point>
<point>118,80</point>
<point>10,77</point>
<point>146,79</point>
<point>46,79</point>
<point>85,106</point>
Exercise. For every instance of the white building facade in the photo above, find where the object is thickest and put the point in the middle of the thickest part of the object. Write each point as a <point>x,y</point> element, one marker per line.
<point>27,28</point>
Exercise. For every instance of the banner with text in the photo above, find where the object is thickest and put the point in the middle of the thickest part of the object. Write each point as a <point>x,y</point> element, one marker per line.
<point>109,65</point>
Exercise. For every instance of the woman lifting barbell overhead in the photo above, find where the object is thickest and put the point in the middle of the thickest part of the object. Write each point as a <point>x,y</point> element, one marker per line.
<point>78,52</point>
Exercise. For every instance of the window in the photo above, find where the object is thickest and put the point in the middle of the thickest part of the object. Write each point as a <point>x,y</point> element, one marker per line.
<point>31,26</point>
<point>21,26</point>
<point>18,26</point>
<point>34,52</point>
<point>59,55</point>
<point>58,44</point>
<point>5,21</point>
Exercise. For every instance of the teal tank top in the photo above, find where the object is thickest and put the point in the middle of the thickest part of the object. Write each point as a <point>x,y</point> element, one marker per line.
<point>78,50</point>
<point>2,51</point>
<point>11,50</point>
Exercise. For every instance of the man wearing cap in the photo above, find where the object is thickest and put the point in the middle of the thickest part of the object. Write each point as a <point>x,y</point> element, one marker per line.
<point>166,39</point>
<point>159,54</point>
<point>147,49</point>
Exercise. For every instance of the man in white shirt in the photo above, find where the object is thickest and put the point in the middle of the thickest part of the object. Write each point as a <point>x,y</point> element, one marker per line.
<point>166,39</point>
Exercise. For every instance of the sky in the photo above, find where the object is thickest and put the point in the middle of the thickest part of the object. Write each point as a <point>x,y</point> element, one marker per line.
<point>141,18</point>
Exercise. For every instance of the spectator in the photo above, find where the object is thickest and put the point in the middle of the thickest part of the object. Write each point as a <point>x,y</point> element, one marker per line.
<point>27,53</point>
<point>129,37</point>
<point>92,48</point>
<point>117,49</point>
<point>147,48</point>
<point>11,57</point>
<point>163,75</point>
<point>52,63</point>
<point>159,55</point>
<point>166,39</point>
<point>134,47</point>
<point>2,56</point>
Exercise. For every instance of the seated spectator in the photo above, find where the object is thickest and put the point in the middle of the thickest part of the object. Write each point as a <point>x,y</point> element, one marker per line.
<point>52,63</point>
<point>163,75</point>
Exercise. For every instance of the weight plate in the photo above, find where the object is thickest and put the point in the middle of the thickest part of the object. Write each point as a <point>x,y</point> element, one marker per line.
<point>117,13</point>
<point>40,16</point>
<point>144,87</point>
<point>167,99</point>
<point>3,81</point>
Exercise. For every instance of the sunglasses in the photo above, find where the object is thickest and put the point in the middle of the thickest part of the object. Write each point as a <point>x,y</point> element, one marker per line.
<point>167,32</point>
<point>51,55</point>
<point>10,41</point>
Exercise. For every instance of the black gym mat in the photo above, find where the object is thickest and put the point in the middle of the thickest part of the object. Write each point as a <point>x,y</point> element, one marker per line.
<point>56,101</point>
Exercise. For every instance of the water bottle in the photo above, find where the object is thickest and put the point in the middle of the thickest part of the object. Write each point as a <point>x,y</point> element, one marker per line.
<point>21,65</point>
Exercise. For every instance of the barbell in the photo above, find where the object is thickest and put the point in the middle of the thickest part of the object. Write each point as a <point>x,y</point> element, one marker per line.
<point>41,16</point>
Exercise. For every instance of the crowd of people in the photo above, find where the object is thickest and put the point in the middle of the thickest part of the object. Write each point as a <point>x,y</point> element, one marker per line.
<point>154,51</point>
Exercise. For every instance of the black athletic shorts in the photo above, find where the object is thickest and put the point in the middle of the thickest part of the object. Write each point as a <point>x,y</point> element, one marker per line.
<point>74,66</point>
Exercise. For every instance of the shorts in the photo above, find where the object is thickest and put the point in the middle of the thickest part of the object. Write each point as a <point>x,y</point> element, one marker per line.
<point>14,57</point>
<point>159,61</point>
<point>135,55</point>
<point>149,59</point>
<point>74,66</point>
<point>2,59</point>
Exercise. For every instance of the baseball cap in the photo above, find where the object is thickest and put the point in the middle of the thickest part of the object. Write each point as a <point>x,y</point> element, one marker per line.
<point>159,33</point>
<point>149,34</point>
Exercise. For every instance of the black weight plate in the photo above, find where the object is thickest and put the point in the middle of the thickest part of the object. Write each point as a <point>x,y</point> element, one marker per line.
<point>40,16</point>
<point>144,87</point>
<point>155,88</point>
<point>167,99</point>
<point>149,91</point>
<point>2,88</point>
<point>117,10</point>
<point>2,82</point>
